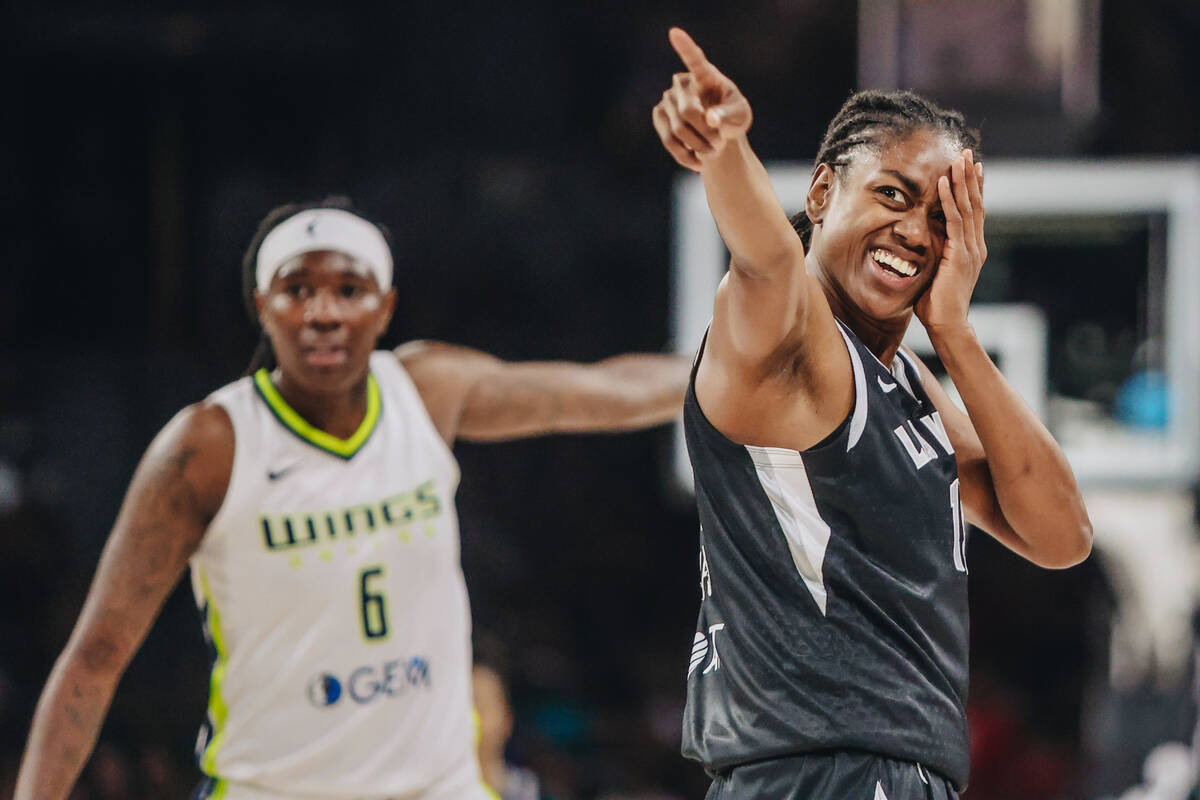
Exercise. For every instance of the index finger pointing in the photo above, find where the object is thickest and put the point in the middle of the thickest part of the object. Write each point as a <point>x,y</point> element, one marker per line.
<point>690,54</point>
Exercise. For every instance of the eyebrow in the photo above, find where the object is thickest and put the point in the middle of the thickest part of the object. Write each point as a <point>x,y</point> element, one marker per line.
<point>912,186</point>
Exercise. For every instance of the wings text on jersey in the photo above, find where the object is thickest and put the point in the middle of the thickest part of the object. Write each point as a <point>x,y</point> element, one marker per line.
<point>287,531</point>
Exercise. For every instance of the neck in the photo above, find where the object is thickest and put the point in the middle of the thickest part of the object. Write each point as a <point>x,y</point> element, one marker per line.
<point>339,413</point>
<point>881,336</point>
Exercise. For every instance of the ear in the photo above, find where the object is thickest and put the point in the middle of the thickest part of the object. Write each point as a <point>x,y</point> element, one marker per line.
<point>509,723</point>
<point>820,194</point>
<point>389,306</point>
<point>260,302</point>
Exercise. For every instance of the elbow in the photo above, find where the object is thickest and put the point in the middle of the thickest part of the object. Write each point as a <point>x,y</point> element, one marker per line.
<point>1072,544</point>
<point>98,655</point>
<point>646,392</point>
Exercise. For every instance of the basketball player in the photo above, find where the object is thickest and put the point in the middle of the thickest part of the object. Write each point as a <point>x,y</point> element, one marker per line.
<point>314,502</point>
<point>832,472</point>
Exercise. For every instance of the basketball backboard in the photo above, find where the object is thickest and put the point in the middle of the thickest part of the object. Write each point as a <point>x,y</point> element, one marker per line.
<point>1036,200</point>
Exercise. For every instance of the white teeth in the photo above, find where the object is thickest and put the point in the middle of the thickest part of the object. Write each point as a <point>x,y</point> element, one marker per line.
<point>906,268</point>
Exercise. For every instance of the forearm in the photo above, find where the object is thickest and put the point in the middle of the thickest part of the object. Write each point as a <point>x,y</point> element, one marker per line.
<point>650,392</point>
<point>622,393</point>
<point>1034,486</point>
<point>65,726</point>
<point>748,214</point>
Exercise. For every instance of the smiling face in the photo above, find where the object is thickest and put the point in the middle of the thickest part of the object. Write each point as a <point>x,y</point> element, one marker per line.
<point>324,315</point>
<point>878,228</point>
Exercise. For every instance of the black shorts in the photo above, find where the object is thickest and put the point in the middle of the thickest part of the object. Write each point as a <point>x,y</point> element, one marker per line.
<point>831,776</point>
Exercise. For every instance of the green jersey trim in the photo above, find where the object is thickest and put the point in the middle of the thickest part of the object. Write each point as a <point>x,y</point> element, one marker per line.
<point>345,448</point>
<point>218,711</point>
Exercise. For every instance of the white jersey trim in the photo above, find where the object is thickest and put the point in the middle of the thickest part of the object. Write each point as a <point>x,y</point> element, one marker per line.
<point>858,422</point>
<point>784,479</point>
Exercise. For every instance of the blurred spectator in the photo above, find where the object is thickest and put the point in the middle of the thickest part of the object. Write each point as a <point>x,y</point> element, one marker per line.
<point>1168,774</point>
<point>495,729</point>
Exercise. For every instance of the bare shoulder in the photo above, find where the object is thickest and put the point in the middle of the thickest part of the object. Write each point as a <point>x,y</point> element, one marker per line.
<point>194,454</point>
<point>431,356</point>
<point>440,367</point>
<point>790,396</point>
<point>176,490</point>
<point>926,374</point>
<point>420,350</point>
<point>444,375</point>
<point>933,387</point>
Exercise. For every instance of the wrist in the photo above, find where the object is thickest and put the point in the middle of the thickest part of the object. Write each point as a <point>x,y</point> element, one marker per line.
<point>950,334</point>
<point>734,153</point>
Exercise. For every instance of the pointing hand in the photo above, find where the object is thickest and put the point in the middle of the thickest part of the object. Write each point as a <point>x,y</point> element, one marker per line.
<point>702,111</point>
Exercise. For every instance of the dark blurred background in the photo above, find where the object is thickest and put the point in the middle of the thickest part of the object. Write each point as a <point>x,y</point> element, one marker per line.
<point>508,147</point>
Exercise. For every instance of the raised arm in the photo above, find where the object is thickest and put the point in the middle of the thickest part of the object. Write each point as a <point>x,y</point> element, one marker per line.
<point>1015,480</point>
<point>475,396</point>
<point>763,303</point>
<point>175,491</point>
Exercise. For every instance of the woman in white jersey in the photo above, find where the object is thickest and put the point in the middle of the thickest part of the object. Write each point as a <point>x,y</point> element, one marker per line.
<point>314,502</point>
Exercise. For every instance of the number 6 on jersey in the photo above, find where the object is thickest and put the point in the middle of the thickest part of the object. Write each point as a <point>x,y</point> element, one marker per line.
<point>374,605</point>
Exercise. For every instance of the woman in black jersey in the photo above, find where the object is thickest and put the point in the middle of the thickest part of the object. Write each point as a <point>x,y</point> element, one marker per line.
<point>833,474</point>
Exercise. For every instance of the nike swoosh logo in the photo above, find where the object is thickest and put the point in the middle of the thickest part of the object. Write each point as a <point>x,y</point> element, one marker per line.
<point>887,387</point>
<point>275,475</point>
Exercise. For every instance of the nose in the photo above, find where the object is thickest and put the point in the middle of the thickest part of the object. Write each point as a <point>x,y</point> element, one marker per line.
<point>913,230</point>
<point>323,310</point>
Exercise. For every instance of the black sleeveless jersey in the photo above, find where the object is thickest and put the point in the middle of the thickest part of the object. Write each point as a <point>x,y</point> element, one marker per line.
<point>833,585</point>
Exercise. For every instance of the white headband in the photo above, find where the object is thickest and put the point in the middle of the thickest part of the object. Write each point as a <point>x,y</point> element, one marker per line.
<point>324,229</point>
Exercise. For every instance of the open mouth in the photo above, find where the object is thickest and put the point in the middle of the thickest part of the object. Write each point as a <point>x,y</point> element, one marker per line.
<point>890,262</point>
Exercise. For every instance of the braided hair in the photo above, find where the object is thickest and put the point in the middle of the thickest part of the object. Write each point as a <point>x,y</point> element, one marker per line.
<point>869,119</point>
<point>264,355</point>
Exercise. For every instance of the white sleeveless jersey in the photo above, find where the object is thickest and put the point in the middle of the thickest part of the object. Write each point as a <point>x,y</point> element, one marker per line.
<point>335,606</point>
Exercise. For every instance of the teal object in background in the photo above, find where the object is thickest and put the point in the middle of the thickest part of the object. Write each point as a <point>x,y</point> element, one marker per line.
<point>1142,400</point>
